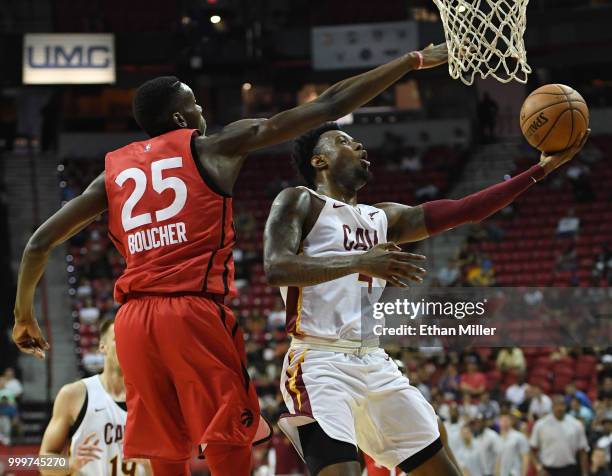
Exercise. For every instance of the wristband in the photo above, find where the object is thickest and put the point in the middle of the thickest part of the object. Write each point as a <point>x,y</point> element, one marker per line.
<point>421,59</point>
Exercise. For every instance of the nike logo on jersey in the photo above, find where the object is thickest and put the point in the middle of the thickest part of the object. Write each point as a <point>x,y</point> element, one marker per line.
<point>339,206</point>
<point>372,215</point>
<point>98,409</point>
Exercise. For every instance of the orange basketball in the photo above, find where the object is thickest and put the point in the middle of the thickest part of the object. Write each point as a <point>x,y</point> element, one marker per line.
<point>553,117</point>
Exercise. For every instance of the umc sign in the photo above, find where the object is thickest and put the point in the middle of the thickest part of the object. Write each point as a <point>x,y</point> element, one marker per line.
<point>68,59</point>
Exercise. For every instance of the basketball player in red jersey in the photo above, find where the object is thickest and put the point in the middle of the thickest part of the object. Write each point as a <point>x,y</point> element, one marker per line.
<point>170,215</point>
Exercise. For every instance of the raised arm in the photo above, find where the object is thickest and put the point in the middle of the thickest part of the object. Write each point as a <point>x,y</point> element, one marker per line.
<point>65,223</point>
<point>284,265</point>
<point>244,136</point>
<point>409,224</point>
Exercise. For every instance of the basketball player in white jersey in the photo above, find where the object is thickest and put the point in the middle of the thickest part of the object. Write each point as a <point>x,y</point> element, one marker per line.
<point>323,247</point>
<point>88,420</point>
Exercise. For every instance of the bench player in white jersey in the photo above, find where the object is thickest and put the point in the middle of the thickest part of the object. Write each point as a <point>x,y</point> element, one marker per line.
<point>88,421</point>
<point>341,392</point>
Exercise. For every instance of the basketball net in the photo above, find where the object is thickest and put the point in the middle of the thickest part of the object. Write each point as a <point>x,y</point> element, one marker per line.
<point>485,37</point>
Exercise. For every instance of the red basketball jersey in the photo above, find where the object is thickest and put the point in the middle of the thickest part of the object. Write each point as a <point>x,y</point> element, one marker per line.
<point>174,230</point>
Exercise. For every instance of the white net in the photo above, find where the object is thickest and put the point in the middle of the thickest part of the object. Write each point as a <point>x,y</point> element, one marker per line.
<point>485,37</point>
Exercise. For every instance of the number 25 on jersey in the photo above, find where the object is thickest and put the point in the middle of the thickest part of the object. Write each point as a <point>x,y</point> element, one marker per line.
<point>159,184</point>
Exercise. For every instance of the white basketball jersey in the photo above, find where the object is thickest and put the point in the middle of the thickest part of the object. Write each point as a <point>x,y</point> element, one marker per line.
<point>106,418</point>
<point>332,310</point>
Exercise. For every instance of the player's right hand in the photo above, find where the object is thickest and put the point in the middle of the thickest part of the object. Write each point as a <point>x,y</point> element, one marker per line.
<point>551,162</point>
<point>28,337</point>
<point>87,451</point>
<point>387,261</point>
<point>434,55</point>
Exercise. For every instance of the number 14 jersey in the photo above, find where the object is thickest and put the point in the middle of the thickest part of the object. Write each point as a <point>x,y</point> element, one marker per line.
<point>172,226</point>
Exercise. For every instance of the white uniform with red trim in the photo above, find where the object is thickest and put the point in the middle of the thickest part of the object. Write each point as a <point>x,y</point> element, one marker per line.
<point>330,375</point>
<point>104,417</point>
<point>332,310</point>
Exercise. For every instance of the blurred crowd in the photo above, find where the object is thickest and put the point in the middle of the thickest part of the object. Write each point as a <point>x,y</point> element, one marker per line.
<point>10,394</point>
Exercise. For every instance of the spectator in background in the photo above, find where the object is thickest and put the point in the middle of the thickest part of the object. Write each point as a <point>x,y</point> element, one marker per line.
<point>511,358</point>
<point>245,222</point>
<point>84,289</point>
<point>449,382</point>
<point>448,275</point>
<point>606,386</point>
<point>416,380</point>
<point>540,404</point>
<point>599,466</point>
<point>569,225</point>
<point>89,314</point>
<point>604,442</point>
<point>489,409</point>
<point>572,392</point>
<point>276,317</point>
<point>578,175</point>
<point>411,161</point>
<point>391,147</point>
<point>568,259</point>
<point>512,451</point>
<point>468,410</point>
<point>487,117</point>
<point>533,297</point>
<point>453,426</point>
<point>9,419</point>
<point>12,384</point>
<point>473,381</point>
<point>426,192</point>
<point>482,273</point>
<point>602,268</point>
<point>487,441</point>
<point>468,454</point>
<point>7,392</point>
<point>559,444</point>
<point>515,393</point>
<point>581,412</point>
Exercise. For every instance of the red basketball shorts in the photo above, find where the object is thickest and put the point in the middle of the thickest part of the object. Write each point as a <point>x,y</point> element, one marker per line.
<point>185,374</point>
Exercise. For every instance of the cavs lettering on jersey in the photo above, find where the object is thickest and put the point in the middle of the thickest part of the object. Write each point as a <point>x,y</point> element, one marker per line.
<point>332,310</point>
<point>103,416</point>
<point>174,229</point>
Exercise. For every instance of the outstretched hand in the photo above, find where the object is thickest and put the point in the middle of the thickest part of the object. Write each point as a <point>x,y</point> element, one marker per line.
<point>28,338</point>
<point>434,55</point>
<point>551,162</point>
<point>387,261</point>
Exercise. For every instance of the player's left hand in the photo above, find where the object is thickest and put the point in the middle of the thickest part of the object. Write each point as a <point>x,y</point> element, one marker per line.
<point>29,339</point>
<point>551,162</point>
<point>89,450</point>
<point>434,55</point>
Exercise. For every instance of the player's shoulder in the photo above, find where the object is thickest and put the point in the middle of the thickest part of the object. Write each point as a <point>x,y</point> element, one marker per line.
<point>294,194</point>
<point>71,397</point>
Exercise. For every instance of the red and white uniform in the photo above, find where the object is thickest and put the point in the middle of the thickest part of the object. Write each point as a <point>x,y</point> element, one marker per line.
<point>180,347</point>
<point>175,233</point>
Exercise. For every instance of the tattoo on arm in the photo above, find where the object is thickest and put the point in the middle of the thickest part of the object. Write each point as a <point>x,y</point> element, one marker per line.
<point>282,238</point>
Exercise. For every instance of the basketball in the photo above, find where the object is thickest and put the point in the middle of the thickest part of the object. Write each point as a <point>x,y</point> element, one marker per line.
<point>553,117</point>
